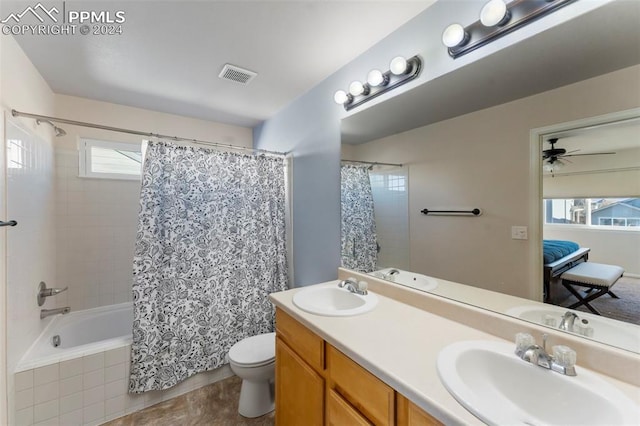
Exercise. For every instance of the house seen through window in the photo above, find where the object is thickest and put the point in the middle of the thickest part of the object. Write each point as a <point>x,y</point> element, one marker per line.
<point>599,212</point>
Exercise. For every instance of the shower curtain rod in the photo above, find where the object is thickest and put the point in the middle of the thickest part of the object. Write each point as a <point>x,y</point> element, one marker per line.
<point>373,163</point>
<point>137,132</point>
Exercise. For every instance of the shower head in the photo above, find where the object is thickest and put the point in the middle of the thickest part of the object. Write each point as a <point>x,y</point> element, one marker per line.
<point>58,130</point>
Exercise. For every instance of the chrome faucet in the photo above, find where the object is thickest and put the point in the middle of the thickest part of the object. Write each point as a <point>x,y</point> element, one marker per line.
<point>354,286</point>
<point>44,292</point>
<point>393,272</point>
<point>48,312</point>
<point>562,361</point>
<point>567,321</point>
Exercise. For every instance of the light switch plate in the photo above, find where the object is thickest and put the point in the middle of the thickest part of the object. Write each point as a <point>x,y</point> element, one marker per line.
<point>519,233</point>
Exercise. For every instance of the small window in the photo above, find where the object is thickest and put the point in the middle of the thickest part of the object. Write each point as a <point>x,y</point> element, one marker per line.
<point>110,160</point>
<point>600,212</point>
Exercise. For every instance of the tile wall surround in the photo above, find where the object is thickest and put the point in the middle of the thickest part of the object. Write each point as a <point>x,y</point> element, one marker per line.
<point>90,390</point>
<point>96,222</point>
<point>31,244</point>
<point>391,203</point>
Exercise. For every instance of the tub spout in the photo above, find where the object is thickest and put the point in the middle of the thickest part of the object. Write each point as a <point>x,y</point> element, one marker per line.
<point>48,312</point>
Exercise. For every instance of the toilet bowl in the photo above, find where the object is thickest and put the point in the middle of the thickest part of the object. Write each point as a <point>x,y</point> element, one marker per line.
<point>253,360</point>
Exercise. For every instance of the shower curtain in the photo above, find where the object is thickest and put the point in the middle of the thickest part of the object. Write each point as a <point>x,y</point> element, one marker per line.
<point>210,248</point>
<point>359,245</point>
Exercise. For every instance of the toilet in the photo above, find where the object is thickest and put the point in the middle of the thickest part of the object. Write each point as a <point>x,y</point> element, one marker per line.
<point>253,360</point>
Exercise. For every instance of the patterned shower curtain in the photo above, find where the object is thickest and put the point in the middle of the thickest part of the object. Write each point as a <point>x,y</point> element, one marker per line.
<point>210,248</point>
<point>359,241</point>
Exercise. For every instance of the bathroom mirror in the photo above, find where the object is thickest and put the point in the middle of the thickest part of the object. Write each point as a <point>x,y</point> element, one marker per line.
<point>480,146</point>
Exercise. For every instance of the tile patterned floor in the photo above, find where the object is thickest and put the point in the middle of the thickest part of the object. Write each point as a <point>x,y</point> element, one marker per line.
<point>212,405</point>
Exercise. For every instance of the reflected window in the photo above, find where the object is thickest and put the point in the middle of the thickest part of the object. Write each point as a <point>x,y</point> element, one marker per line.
<point>397,183</point>
<point>15,154</point>
<point>596,212</point>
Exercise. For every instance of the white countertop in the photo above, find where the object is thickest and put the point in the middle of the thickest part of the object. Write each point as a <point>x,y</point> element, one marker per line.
<point>399,344</point>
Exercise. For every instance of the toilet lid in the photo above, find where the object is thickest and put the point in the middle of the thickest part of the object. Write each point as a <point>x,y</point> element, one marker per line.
<point>260,349</point>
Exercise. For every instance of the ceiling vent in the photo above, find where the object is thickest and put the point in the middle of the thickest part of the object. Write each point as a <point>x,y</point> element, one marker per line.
<point>236,74</point>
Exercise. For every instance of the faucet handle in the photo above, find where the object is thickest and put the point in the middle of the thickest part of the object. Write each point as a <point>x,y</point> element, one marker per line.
<point>362,287</point>
<point>564,356</point>
<point>524,341</point>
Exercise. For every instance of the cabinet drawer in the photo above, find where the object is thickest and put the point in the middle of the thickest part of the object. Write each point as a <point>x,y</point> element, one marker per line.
<point>303,341</point>
<point>363,390</point>
<point>340,413</point>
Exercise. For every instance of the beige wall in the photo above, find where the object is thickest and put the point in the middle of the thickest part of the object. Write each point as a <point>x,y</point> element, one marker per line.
<point>482,160</point>
<point>27,260</point>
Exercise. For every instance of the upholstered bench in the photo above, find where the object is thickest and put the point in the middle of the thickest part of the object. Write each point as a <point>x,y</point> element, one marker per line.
<point>594,276</point>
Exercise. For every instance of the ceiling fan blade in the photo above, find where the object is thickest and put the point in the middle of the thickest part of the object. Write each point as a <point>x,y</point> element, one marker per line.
<point>591,153</point>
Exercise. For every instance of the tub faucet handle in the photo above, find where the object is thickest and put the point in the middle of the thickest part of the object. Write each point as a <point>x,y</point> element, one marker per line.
<point>44,292</point>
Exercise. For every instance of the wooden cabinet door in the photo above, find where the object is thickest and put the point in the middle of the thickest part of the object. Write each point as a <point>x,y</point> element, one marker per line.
<point>410,414</point>
<point>341,413</point>
<point>299,390</point>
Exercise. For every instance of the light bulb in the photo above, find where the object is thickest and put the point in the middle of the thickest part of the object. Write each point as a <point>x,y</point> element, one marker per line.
<point>341,97</point>
<point>454,35</point>
<point>553,166</point>
<point>398,65</point>
<point>375,78</point>
<point>356,88</point>
<point>494,13</point>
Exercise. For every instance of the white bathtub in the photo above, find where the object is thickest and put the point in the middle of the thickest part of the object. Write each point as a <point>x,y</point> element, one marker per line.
<point>81,333</point>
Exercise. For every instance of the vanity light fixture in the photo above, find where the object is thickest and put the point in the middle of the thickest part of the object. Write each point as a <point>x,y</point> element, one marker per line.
<point>494,13</point>
<point>356,88</point>
<point>342,97</point>
<point>376,78</point>
<point>497,18</point>
<point>401,71</point>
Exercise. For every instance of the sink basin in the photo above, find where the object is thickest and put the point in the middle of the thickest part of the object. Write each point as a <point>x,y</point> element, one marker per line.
<point>499,388</point>
<point>333,301</point>
<point>605,330</point>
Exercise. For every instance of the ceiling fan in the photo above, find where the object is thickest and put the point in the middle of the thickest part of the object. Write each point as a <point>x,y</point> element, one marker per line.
<point>554,158</point>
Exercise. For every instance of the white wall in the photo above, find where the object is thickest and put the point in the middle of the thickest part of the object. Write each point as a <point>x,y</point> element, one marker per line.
<point>97,218</point>
<point>482,160</point>
<point>29,198</point>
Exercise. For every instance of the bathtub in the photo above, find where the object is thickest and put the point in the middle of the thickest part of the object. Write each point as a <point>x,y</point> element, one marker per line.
<point>84,381</point>
<point>81,333</point>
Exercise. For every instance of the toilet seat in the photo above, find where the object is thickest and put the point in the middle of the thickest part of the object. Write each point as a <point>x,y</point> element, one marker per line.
<point>254,351</point>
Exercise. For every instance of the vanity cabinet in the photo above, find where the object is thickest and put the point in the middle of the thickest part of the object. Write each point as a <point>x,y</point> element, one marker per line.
<point>409,414</point>
<point>300,383</point>
<point>316,384</point>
